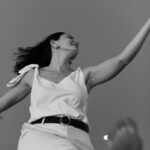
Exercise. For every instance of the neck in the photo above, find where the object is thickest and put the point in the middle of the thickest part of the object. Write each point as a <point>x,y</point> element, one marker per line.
<point>59,63</point>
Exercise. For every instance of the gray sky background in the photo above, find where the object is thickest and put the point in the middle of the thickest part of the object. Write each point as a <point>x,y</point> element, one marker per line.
<point>103,28</point>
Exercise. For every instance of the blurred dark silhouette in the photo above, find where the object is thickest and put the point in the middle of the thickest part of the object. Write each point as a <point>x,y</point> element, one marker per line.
<point>124,135</point>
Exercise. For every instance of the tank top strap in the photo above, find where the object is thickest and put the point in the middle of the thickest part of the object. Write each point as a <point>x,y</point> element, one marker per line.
<point>36,75</point>
<point>21,72</point>
<point>82,80</point>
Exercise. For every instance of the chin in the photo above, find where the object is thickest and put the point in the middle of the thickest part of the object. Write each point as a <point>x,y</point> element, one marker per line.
<point>74,54</point>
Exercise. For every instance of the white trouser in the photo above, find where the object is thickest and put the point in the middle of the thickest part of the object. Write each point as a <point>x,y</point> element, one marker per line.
<point>52,136</point>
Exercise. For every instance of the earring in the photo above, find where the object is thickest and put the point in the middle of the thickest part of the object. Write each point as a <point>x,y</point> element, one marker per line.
<point>56,46</point>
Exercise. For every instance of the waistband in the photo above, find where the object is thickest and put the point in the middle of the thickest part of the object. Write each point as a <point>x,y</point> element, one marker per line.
<point>64,120</point>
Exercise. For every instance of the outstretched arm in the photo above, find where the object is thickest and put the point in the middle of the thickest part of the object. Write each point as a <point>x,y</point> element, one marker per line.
<point>14,95</point>
<point>109,69</point>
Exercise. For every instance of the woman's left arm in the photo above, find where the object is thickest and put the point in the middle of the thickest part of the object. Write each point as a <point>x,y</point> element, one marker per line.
<point>110,68</point>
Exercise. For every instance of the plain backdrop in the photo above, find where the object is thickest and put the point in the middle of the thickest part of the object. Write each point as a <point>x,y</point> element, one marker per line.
<point>103,28</point>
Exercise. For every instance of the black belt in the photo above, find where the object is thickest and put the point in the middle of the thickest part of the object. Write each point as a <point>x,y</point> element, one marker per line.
<point>64,120</point>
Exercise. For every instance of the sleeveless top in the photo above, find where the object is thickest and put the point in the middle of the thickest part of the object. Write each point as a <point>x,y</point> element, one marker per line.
<point>69,96</point>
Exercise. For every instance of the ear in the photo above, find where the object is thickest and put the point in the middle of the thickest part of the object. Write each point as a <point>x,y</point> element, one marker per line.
<point>54,44</point>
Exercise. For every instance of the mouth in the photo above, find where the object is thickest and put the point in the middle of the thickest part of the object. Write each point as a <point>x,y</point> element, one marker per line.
<point>75,44</point>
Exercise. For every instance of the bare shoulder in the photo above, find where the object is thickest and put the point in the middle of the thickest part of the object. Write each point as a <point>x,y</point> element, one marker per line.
<point>28,78</point>
<point>86,71</point>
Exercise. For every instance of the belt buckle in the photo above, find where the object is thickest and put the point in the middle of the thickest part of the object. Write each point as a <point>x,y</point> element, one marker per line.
<point>43,120</point>
<point>65,120</point>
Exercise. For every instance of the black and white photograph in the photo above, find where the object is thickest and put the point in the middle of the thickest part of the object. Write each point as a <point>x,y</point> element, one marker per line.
<point>74,75</point>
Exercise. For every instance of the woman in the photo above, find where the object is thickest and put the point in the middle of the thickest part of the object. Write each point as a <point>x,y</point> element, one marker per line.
<point>58,93</point>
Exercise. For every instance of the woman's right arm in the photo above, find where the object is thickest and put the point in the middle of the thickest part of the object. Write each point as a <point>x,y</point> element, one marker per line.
<point>14,95</point>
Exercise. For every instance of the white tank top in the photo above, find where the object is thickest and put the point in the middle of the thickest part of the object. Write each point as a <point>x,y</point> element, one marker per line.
<point>69,96</point>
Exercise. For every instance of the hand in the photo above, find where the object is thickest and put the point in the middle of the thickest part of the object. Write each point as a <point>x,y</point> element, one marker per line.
<point>148,21</point>
<point>124,136</point>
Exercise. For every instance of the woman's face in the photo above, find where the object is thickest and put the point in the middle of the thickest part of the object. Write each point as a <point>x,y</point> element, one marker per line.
<point>67,42</point>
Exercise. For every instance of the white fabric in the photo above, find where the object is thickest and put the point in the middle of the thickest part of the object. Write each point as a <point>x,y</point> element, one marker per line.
<point>53,137</point>
<point>15,80</point>
<point>69,96</point>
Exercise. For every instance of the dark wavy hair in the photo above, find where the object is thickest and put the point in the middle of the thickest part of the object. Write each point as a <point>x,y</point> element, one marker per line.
<point>39,54</point>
